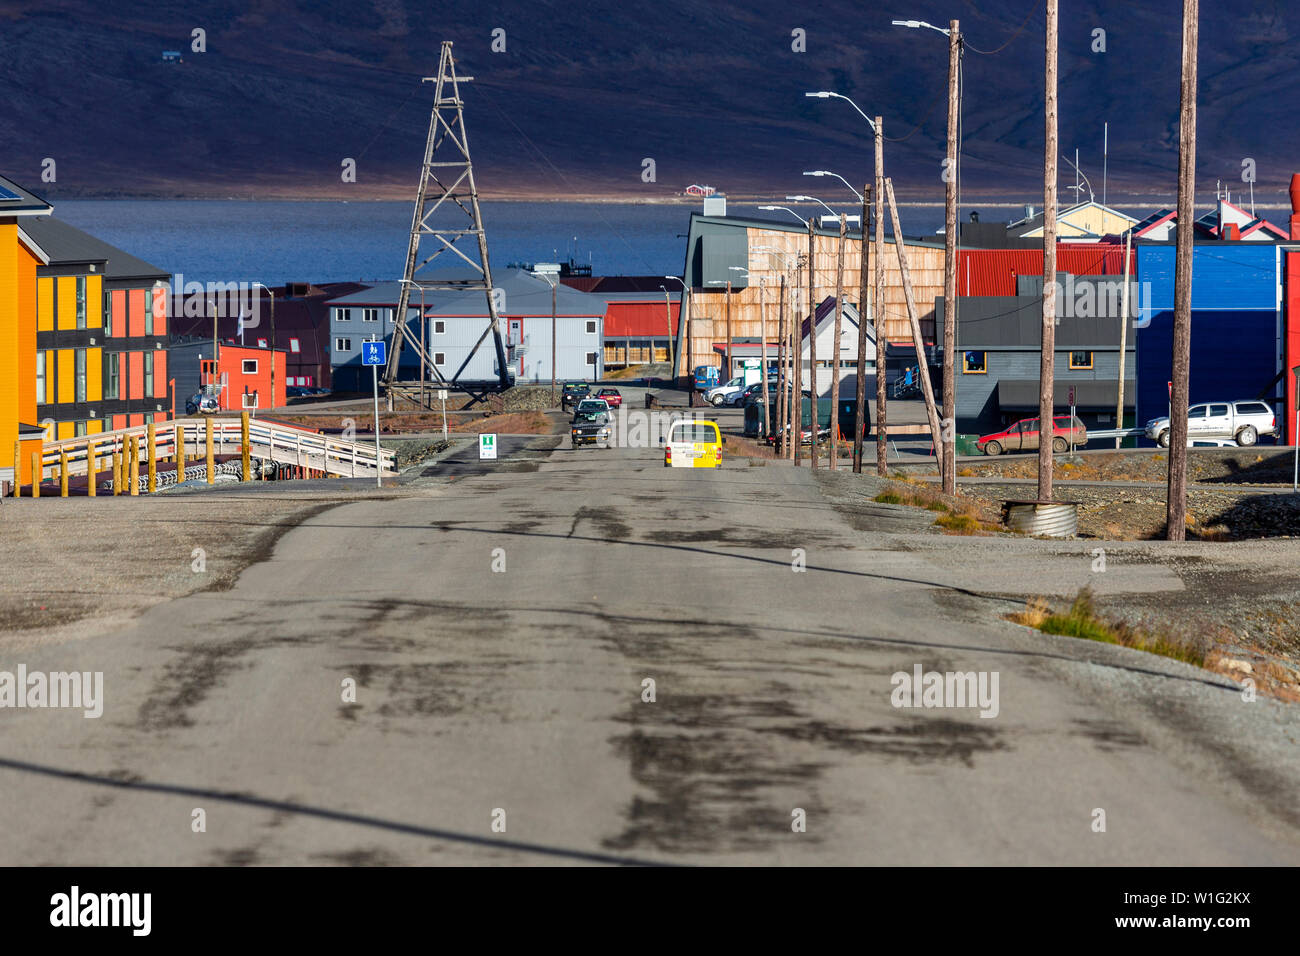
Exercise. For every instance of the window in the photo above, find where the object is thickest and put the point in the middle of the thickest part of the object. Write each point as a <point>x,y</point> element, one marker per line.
<point>108,313</point>
<point>369,315</point>
<point>250,366</point>
<point>1196,411</point>
<point>591,327</point>
<point>40,377</point>
<point>79,428</point>
<point>148,312</point>
<point>81,302</point>
<point>342,345</point>
<point>974,363</point>
<point>1218,411</point>
<point>591,358</point>
<point>293,346</point>
<point>148,375</point>
<point>148,418</point>
<point>112,375</point>
<point>81,375</point>
<point>1253,408</point>
<point>439,327</point>
<point>439,358</point>
<point>343,315</point>
<point>1080,360</point>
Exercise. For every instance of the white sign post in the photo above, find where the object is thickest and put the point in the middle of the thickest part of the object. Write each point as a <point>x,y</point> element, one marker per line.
<point>442,395</point>
<point>373,353</point>
<point>487,446</point>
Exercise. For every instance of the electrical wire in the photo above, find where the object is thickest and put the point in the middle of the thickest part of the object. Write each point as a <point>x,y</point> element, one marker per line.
<point>1013,36</point>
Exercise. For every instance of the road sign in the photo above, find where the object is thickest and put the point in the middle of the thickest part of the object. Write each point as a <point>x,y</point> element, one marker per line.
<point>487,446</point>
<point>442,394</point>
<point>1071,394</point>
<point>373,353</point>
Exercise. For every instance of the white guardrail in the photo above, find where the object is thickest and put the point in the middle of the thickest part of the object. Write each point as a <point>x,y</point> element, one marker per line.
<point>268,441</point>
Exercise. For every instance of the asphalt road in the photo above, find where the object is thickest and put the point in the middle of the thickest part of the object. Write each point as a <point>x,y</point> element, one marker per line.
<point>518,693</point>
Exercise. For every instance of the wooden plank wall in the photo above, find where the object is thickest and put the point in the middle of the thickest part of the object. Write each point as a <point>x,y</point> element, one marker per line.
<point>708,306</point>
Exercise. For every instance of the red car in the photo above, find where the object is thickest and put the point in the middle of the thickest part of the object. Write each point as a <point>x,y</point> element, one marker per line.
<point>612,396</point>
<point>1023,436</point>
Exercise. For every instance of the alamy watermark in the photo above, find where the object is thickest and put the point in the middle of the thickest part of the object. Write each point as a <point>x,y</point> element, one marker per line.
<point>82,690</point>
<point>946,689</point>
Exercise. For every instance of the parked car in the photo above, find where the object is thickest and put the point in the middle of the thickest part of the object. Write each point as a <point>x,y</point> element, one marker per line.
<point>1023,436</point>
<point>611,395</point>
<point>296,391</point>
<point>573,393</point>
<point>694,443</point>
<point>706,377</point>
<point>199,403</point>
<point>591,409</point>
<point>1242,422</point>
<point>728,393</point>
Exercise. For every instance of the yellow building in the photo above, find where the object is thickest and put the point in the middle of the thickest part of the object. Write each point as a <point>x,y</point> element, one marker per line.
<point>1085,222</point>
<point>19,430</point>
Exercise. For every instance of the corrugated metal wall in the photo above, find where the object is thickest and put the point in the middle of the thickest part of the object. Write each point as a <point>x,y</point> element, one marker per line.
<point>994,271</point>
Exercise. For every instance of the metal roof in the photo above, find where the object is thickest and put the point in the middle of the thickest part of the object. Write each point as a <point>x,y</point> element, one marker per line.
<point>67,244</point>
<point>525,294</point>
<point>16,201</point>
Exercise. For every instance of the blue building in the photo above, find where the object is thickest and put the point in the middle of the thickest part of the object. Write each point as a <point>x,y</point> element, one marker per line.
<point>1237,322</point>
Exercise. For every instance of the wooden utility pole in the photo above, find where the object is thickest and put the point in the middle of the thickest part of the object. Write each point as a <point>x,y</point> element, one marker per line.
<point>1176,524</point>
<point>1047,354</point>
<point>864,309</point>
<point>796,360</point>
<point>782,379</point>
<point>727,377</point>
<point>922,365</point>
<point>878,304</point>
<point>1123,337</point>
<point>949,466</point>
<point>835,347</point>
<point>762,334</point>
<point>812,342</point>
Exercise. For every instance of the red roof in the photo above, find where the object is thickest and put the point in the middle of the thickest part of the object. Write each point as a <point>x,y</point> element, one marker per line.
<point>994,271</point>
<point>638,319</point>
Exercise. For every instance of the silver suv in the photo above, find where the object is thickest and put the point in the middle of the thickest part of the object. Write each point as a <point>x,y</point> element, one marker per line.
<point>1242,422</point>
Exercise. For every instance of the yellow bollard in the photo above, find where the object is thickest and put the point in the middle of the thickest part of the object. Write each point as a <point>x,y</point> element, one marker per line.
<point>178,439</point>
<point>212,460</point>
<point>92,467</point>
<point>36,474</point>
<point>18,469</point>
<point>63,473</point>
<point>117,469</point>
<point>133,478</point>
<point>245,450</point>
<point>152,445</point>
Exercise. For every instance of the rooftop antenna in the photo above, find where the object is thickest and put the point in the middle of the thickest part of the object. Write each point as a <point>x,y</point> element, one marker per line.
<point>1078,172</point>
<point>1105,160</point>
<point>447,182</point>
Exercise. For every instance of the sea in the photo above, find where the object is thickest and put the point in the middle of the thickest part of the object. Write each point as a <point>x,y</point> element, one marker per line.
<point>274,242</point>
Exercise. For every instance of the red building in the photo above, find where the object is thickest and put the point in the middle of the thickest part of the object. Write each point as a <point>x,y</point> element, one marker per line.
<point>244,377</point>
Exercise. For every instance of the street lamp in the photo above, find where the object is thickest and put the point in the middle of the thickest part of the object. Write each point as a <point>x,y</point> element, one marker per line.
<point>683,331</point>
<point>827,172</point>
<point>816,200</point>
<point>951,202</point>
<point>827,94</point>
<point>785,209</point>
<point>272,295</point>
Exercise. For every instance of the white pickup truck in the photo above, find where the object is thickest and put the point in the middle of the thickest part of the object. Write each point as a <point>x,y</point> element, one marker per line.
<point>1242,422</point>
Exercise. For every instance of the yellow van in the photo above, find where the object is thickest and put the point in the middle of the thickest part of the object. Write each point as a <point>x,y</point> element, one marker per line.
<point>695,443</point>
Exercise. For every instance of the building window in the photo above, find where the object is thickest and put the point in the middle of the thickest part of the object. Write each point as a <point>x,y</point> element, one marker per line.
<point>148,312</point>
<point>974,363</point>
<point>343,315</point>
<point>40,377</point>
<point>293,346</point>
<point>148,418</point>
<point>439,327</point>
<point>81,302</point>
<point>148,375</point>
<point>1080,360</point>
<point>591,360</point>
<point>439,358</point>
<point>261,343</point>
<point>250,366</point>
<point>112,375</point>
<point>342,345</point>
<point>369,315</point>
<point>591,330</point>
<point>81,375</point>
<point>108,313</point>
<point>79,429</point>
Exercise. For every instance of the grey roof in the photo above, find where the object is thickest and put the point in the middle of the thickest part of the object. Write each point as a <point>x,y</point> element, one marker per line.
<point>16,201</point>
<point>67,244</point>
<point>525,295</point>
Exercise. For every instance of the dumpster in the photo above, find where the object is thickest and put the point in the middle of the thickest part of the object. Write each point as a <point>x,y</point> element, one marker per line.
<point>968,445</point>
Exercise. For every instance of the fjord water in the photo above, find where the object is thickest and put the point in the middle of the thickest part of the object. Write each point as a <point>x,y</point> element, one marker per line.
<point>276,242</point>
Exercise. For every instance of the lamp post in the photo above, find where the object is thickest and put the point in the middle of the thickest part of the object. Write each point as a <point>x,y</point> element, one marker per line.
<point>951,174</point>
<point>272,295</point>
<point>813,199</point>
<point>827,172</point>
<point>802,220</point>
<point>682,333</point>
<point>877,127</point>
